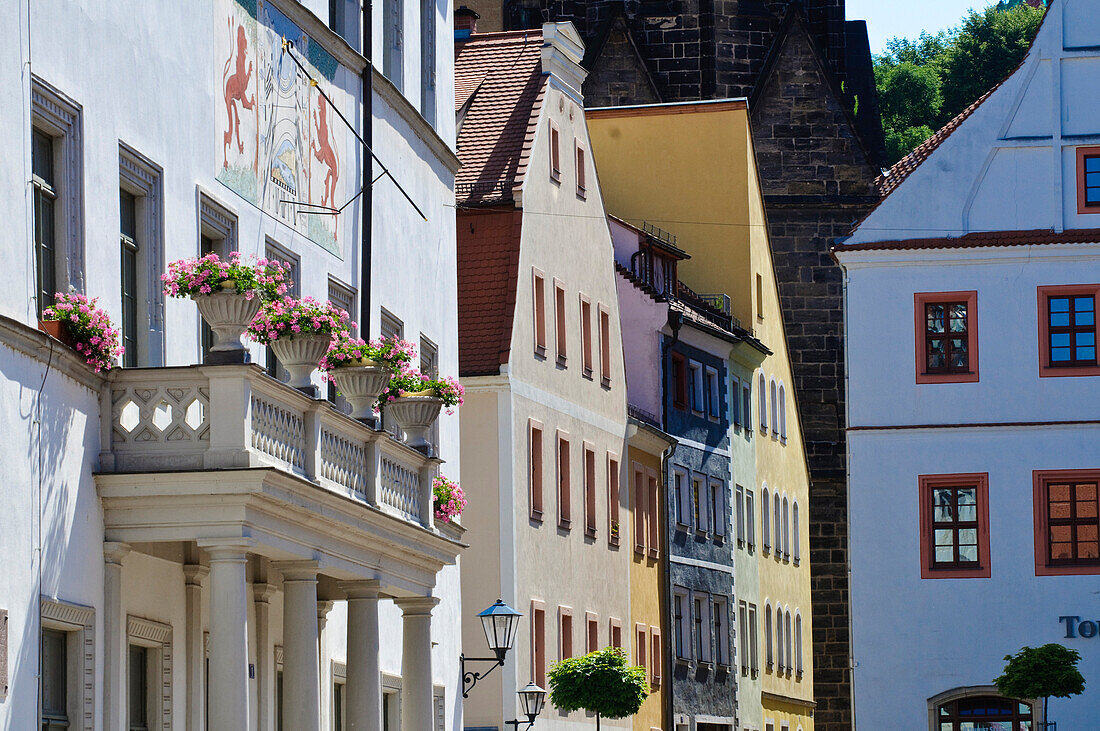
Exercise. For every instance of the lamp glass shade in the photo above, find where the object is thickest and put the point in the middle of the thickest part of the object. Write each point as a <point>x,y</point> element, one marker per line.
<point>500,623</point>
<point>532,698</point>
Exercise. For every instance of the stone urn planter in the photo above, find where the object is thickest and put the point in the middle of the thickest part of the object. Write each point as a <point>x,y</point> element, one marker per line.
<point>415,413</point>
<point>300,355</point>
<point>228,314</point>
<point>360,382</point>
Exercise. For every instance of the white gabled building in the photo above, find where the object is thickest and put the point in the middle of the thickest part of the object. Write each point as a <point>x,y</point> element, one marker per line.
<point>974,393</point>
<point>194,546</point>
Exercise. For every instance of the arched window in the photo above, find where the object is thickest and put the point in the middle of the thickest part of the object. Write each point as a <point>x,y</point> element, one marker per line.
<point>762,389</point>
<point>782,412</point>
<point>795,531</point>
<point>779,656</point>
<point>766,520</point>
<point>786,529</point>
<point>983,711</point>
<point>798,642</point>
<point>769,657</point>
<point>777,516</point>
<point>774,410</point>
<point>787,635</point>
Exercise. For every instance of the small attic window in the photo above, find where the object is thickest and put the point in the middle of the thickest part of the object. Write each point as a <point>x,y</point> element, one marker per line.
<point>581,168</point>
<point>555,154</point>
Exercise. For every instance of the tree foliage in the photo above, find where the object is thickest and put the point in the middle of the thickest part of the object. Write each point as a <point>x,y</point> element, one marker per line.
<point>924,83</point>
<point>1041,672</point>
<point>601,682</point>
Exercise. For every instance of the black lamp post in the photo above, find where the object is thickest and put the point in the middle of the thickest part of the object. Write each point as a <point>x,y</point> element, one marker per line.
<point>500,623</point>
<point>532,698</point>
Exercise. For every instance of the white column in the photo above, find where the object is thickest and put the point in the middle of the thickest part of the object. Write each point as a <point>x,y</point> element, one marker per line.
<point>228,701</point>
<point>416,663</point>
<point>194,655</point>
<point>324,680</point>
<point>265,658</point>
<point>364,676</point>
<point>301,704</point>
<point>114,636</point>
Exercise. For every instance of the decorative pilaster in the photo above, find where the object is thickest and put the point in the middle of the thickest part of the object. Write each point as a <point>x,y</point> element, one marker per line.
<point>114,636</point>
<point>194,655</point>
<point>265,657</point>
<point>416,662</point>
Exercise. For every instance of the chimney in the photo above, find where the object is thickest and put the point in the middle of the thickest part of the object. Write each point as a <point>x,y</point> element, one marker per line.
<point>465,22</point>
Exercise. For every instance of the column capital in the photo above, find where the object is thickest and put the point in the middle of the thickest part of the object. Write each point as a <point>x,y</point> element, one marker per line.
<point>194,574</point>
<point>297,570</point>
<point>362,589</point>
<point>114,552</point>
<point>324,606</point>
<point>226,549</point>
<point>417,605</point>
<point>262,591</point>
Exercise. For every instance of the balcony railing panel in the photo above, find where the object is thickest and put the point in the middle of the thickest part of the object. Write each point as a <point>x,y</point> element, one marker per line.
<point>236,417</point>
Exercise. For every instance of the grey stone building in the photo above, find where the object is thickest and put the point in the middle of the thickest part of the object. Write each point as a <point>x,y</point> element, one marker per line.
<point>807,73</point>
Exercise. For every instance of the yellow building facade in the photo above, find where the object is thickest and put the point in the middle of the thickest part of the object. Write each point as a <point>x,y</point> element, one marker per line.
<point>690,169</point>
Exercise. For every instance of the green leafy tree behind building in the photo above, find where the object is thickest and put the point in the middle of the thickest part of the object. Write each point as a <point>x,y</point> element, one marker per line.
<point>1041,672</point>
<point>600,682</point>
<point>924,83</point>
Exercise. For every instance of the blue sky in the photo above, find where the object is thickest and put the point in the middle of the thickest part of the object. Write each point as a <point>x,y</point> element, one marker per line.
<point>889,18</point>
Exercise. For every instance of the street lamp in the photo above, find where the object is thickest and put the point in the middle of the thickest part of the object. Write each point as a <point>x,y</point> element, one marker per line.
<point>500,623</point>
<point>532,698</point>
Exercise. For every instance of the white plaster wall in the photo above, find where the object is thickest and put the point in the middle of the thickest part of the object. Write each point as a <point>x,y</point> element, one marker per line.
<point>142,74</point>
<point>881,340</point>
<point>914,638</point>
<point>642,320</point>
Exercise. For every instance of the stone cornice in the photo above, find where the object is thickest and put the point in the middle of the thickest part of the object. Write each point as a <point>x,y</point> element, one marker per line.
<point>45,349</point>
<point>781,698</point>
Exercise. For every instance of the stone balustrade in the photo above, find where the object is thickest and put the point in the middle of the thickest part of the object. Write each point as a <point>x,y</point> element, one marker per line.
<point>224,417</point>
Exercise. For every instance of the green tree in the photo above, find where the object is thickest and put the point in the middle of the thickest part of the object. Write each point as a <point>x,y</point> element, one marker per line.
<point>924,83</point>
<point>601,682</point>
<point>1041,672</point>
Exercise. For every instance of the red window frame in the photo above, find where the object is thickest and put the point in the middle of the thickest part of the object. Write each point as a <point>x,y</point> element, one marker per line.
<point>1043,295</point>
<point>1042,481</point>
<point>614,513</point>
<point>927,484</point>
<point>564,482</point>
<point>535,450</point>
<point>1083,206</point>
<point>921,301</point>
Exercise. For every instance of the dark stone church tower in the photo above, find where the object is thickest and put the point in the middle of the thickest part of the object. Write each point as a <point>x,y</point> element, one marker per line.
<point>807,73</point>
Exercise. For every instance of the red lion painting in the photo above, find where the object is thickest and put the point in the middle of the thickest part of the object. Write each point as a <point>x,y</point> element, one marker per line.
<point>322,150</point>
<point>236,90</point>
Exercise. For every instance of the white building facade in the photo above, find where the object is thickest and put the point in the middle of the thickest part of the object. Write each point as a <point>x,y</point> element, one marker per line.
<point>202,546</point>
<point>971,297</point>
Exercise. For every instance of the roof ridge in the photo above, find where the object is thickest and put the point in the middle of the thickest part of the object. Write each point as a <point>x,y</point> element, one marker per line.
<point>976,239</point>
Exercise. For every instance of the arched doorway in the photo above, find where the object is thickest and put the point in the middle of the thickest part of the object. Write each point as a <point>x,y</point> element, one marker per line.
<point>979,709</point>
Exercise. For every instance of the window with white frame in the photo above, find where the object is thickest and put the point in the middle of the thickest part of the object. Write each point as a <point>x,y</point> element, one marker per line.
<point>149,696</point>
<point>217,235</point>
<point>798,642</point>
<point>293,266</point>
<point>739,513</point>
<point>683,498</point>
<point>743,636</point>
<point>780,657</point>
<point>735,403</point>
<point>773,397</point>
<point>591,631</point>
<point>714,400</point>
<point>762,396</point>
<point>695,386</point>
<point>656,655</point>
<point>538,299</point>
<point>701,620</point>
<point>390,327</point>
<point>769,648</point>
<point>700,503</point>
<point>67,666</point>
<point>777,529</point>
<point>681,618</point>
<point>782,413</point>
<point>720,620</point>
<point>754,641</point>
<point>343,297</point>
<point>787,639</point>
<point>750,518</point>
<point>764,513</point>
<point>796,532</point>
<point>718,507</point>
<point>746,406</point>
<point>57,181</point>
<point>786,529</point>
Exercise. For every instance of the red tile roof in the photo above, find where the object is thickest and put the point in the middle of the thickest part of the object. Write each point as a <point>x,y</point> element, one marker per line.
<point>488,271</point>
<point>1035,237</point>
<point>499,87</point>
